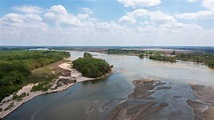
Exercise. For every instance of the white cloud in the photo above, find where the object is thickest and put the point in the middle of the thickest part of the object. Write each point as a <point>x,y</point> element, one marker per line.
<point>19,18</point>
<point>209,4</point>
<point>127,19</point>
<point>13,24</point>
<point>28,9</point>
<point>57,26</point>
<point>108,26</point>
<point>82,16</point>
<point>87,10</point>
<point>155,17</point>
<point>208,14</point>
<point>59,9</point>
<point>140,3</point>
<point>192,0</point>
<point>60,16</point>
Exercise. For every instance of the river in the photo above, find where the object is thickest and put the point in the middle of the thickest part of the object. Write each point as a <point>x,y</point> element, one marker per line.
<point>94,100</point>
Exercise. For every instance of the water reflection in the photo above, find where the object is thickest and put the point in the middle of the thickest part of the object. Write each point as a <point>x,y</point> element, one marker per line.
<point>93,81</point>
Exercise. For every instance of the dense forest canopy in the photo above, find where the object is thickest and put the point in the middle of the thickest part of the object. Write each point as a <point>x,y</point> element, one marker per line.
<point>16,66</point>
<point>91,67</point>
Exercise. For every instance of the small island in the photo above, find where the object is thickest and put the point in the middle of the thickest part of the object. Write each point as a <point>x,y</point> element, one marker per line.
<point>92,67</point>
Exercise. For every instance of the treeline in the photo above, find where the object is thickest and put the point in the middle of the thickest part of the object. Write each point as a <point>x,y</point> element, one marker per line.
<point>207,59</point>
<point>16,66</point>
<point>149,53</point>
<point>91,67</point>
<point>121,51</point>
<point>162,58</point>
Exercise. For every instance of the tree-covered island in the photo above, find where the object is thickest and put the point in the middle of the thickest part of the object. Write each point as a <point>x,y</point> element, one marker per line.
<point>91,67</point>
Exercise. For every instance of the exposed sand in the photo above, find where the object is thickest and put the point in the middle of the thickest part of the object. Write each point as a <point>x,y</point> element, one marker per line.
<point>58,85</point>
<point>203,106</point>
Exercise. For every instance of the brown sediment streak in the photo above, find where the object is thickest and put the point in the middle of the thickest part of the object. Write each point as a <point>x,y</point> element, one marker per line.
<point>203,106</point>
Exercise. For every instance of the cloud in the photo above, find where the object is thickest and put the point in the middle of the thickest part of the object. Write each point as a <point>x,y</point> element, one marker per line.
<point>152,17</point>
<point>20,27</point>
<point>205,14</point>
<point>87,10</point>
<point>58,9</point>
<point>111,27</point>
<point>127,19</point>
<point>59,15</point>
<point>209,4</point>
<point>192,0</point>
<point>197,15</point>
<point>58,26</point>
<point>13,18</point>
<point>28,9</point>
<point>82,16</point>
<point>140,3</point>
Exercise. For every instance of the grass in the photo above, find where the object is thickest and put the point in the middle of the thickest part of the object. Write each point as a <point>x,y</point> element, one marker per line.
<point>45,85</point>
<point>44,76</point>
<point>19,97</point>
<point>9,106</point>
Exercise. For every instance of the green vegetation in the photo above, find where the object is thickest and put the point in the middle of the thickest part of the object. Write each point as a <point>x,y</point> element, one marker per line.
<point>162,58</point>
<point>173,52</point>
<point>61,48</point>
<point>141,55</point>
<point>87,55</point>
<point>121,51</point>
<point>91,67</point>
<point>207,59</point>
<point>151,52</point>
<point>44,85</point>
<point>16,66</point>
<point>19,97</point>
<point>9,106</point>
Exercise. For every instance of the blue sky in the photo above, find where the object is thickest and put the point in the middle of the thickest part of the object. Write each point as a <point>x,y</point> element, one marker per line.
<point>107,22</point>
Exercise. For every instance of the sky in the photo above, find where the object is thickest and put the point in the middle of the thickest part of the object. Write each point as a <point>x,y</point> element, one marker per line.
<point>107,22</point>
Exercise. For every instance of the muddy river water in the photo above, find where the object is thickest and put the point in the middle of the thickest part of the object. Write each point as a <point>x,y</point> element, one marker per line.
<point>94,100</point>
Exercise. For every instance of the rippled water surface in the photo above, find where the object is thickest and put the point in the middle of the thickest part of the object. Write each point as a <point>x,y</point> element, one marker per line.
<point>94,99</point>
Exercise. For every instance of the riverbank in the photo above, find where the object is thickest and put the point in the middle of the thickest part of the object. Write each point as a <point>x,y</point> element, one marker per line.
<point>64,81</point>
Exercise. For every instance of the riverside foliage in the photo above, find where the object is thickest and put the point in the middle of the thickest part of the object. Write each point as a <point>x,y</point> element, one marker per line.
<point>16,66</point>
<point>91,67</point>
<point>206,58</point>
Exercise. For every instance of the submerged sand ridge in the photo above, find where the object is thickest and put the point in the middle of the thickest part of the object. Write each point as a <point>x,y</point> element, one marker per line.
<point>142,103</point>
<point>134,108</point>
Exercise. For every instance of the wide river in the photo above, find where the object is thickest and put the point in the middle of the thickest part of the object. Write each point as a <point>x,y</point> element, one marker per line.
<point>94,100</point>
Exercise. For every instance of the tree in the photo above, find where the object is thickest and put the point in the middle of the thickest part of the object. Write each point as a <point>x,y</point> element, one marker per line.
<point>173,52</point>
<point>92,67</point>
<point>87,55</point>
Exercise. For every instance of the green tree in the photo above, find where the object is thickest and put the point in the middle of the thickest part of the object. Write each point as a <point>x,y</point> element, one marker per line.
<point>87,55</point>
<point>92,67</point>
<point>173,52</point>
